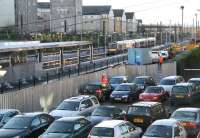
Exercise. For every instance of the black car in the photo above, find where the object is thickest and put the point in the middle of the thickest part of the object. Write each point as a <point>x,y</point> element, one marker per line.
<point>126,92</point>
<point>142,114</point>
<point>101,91</point>
<point>29,125</point>
<point>117,80</point>
<point>144,81</point>
<point>102,113</point>
<point>6,115</point>
<point>68,127</point>
<point>184,93</point>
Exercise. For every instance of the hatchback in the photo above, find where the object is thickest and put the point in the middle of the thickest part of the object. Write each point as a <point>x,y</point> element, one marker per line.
<point>115,129</point>
<point>155,94</point>
<point>189,118</point>
<point>184,93</point>
<point>165,128</point>
<point>29,125</point>
<point>126,92</point>
<point>142,114</point>
<point>68,127</point>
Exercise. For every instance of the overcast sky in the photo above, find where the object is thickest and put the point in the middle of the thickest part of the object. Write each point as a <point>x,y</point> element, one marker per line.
<point>154,11</point>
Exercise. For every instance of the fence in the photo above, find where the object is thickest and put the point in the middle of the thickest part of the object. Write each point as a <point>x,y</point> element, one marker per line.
<point>28,100</point>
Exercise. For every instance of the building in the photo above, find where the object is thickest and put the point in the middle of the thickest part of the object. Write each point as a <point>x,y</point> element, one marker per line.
<point>119,21</point>
<point>7,13</point>
<point>43,16</point>
<point>98,19</point>
<point>131,23</point>
<point>66,16</point>
<point>26,15</point>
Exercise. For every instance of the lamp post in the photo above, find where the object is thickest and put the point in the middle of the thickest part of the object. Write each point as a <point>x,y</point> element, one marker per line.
<point>196,29</point>
<point>182,9</point>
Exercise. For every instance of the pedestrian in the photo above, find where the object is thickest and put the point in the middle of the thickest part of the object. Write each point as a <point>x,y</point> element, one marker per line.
<point>161,59</point>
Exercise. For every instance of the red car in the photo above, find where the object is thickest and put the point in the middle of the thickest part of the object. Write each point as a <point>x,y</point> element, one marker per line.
<point>154,93</point>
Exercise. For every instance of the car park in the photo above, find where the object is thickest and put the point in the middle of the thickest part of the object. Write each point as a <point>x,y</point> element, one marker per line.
<point>28,125</point>
<point>115,129</point>
<point>102,113</point>
<point>168,82</point>
<point>126,92</point>
<point>154,93</point>
<point>144,81</point>
<point>101,91</point>
<point>117,80</point>
<point>142,114</point>
<point>6,115</point>
<point>184,93</point>
<point>82,105</point>
<point>165,128</point>
<point>189,118</point>
<point>68,127</point>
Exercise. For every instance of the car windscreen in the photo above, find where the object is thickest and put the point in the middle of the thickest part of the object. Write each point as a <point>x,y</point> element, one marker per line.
<point>102,132</point>
<point>69,105</point>
<point>167,82</point>
<point>93,87</point>
<point>123,88</point>
<point>184,115</point>
<point>138,110</point>
<point>160,131</point>
<point>18,123</point>
<point>153,90</point>
<point>179,89</point>
<point>139,80</point>
<point>116,80</point>
<point>103,111</point>
<point>61,127</point>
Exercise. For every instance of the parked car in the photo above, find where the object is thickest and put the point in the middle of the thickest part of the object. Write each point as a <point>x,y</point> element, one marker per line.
<point>82,105</point>
<point>117,80</point>
<point>68,127</point>
<point>165,128</point>
<point>101,91</point>
<point>142,114</point>
<point>28,125</point>
<point>168,82</point>
<point>195,81</point>
<point>6,115</point>
<point>184,93</point>
<point>126,92</point>
<point>102,113</point>
<point>144,81</point>
<point>189,118</point>
<point>164,54</point>
<point>154,93</point>
<point>155,56</point>
<point>115,129</point>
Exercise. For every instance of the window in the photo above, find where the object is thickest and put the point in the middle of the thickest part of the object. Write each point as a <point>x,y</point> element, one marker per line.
<point>95,100</point>
<point>86,104</point>
<point>44,119</point>
<point>77,126</point>
<point>130,127</point>
<point>123,129</point>
<point>35,122</point>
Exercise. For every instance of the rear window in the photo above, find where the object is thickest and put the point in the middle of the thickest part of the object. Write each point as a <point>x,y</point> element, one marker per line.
<point>190,116</point>
<point>138,110</point>
<point>116,80</point>
<point>179,89</point>
<point>93,87</point>
<point>140,80</point>
<point>123,88</point>
<point>167,82</point>
<point>102,132</point>
<point>153,90</point>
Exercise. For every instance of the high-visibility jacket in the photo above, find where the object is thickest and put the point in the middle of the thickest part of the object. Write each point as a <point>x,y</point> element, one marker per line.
<point>161,59</point>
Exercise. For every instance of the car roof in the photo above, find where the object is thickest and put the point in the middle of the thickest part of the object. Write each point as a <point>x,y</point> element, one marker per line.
<point>79,98</point>
<point>33,114</point>
<point>184,84</point>
<point>109,123</point>
<point>4,111</point>
<point>107,106</point>
<point>70,119</point>
<point>119,77</point>
<point>147,104</point>
<point>128,84</point>
<point>154,87</point>
<point>143,77</point>
<point>165,122</point>
<point>194,79</point>
<point>95,83</point>
<point>189,109</point>
<point>172,77</point>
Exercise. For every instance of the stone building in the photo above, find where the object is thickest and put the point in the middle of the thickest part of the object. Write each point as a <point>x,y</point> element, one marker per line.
<point>119,21</point>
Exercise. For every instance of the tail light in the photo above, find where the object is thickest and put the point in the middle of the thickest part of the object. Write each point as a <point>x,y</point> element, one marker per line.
<point>191,125</point>
<point>99,91</point>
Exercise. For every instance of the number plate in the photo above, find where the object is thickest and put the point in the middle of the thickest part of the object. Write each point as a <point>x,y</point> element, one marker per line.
<point>118,99</point>
<point>179,96</point>
<point>138,120</point>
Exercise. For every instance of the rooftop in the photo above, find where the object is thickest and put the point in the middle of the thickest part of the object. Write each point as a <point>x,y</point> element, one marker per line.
<point>96,10</point>
<point>118,12</point>
<point>70,119</point>
<point>194,79</point>
<point>119,77</point>
<point>165,122</point>
<point>3,111</point>
<point>129,15</point>
<point>147,104</point>
<point>184,84</point>
<point>109,123</point>
<point>78,98</point>
<point>189,109</point>
<point>171,77</point>
<point>31,114</point>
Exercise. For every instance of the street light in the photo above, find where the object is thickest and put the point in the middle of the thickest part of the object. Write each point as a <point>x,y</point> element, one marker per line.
<point>182,9</point>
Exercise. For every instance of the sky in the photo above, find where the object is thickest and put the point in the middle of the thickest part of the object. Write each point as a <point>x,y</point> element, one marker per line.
<point>154,11</point>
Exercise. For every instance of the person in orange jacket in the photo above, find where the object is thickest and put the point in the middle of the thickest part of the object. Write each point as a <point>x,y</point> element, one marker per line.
<point>161,59</point>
